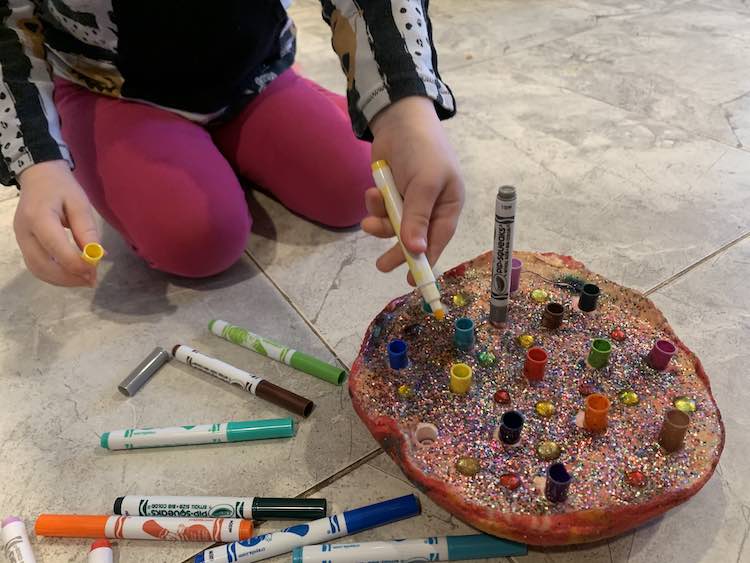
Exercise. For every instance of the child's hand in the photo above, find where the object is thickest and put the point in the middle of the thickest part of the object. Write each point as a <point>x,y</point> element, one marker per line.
<point>51,201</point>
<point>408,135</point>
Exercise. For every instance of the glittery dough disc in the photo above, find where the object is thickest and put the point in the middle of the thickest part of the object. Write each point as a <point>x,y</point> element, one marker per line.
<point>604,498</point>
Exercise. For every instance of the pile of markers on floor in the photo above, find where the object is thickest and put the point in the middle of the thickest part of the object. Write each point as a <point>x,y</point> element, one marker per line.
<point>229,520</point>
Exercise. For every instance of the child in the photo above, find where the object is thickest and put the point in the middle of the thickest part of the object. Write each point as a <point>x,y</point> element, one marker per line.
<point>162,105</point>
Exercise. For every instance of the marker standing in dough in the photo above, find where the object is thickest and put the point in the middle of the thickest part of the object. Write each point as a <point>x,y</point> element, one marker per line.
<point>502,254</point>
<point>418,265</point>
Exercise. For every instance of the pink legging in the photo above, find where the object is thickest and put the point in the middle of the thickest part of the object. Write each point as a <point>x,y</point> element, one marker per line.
<point>171,188</point>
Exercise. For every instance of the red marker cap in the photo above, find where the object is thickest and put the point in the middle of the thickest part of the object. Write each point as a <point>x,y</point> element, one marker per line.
<point>100,543</point>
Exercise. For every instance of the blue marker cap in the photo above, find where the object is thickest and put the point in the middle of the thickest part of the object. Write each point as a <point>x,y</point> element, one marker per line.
<point>480,546</point>
<point>381,513</point>
<point>397,357</point>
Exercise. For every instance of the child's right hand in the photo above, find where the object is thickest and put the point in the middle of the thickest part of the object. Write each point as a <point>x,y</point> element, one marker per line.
<point>52,201</point>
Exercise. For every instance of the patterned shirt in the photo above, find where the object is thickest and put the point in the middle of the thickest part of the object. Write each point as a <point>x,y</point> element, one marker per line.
<point>201,60</point>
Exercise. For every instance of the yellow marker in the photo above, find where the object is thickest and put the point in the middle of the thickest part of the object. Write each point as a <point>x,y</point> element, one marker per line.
<point>460,378</point>
<point>418,265</point>
<point>92,253</point>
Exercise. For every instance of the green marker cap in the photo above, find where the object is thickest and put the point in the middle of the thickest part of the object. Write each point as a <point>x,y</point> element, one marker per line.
<point>318,368</point>
<point>104,440</point>
<point>260,429</point>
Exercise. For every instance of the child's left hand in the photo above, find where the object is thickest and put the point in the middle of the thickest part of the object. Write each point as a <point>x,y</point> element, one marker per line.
<point>408,135</point>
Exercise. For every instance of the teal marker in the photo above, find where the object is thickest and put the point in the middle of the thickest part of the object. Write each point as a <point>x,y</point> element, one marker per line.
<point>133,438</point>
<point>289,356</point>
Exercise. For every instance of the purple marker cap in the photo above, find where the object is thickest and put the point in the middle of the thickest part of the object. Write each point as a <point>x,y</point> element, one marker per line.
<point>10,520</point>
<point>660,354</point>
<point>515,274</point>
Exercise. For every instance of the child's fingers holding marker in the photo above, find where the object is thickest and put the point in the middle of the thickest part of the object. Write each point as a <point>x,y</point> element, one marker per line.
<point>391,259</point>
<point>79,217</point>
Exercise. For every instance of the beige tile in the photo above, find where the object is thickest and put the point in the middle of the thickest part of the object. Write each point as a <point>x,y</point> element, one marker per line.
<point>59,380</point>
<point>678,65</point>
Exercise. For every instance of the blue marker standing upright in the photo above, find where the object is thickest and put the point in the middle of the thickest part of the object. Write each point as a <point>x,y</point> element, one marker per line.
<point>502,254</point>
<point>317,531</point>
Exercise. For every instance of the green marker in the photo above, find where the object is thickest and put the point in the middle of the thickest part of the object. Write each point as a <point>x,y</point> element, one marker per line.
<point>133,438</point>
<point>275,351</point>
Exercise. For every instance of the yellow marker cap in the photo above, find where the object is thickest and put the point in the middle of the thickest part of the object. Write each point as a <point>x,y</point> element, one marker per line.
<point>92,253</point>
<point>460,378</point>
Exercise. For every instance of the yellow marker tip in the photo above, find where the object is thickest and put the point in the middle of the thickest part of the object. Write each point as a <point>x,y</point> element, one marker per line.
<point>440,314</point>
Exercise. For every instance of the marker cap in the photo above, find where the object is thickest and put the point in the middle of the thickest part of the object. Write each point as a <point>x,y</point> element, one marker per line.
<point>288,508</point>
<point>382,513</point>
<point>143,372</point>
<point>260,429</point>
<point>479,546</point>
<point>100,543</point>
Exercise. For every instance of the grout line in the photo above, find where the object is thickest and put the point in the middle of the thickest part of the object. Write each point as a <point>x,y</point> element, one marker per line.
<point>703,260</point>
<point>341,473</point>
<point>294,306</point>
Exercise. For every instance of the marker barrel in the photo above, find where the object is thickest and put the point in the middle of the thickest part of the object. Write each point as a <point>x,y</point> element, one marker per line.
<point>661,354</point>
<point>248,508</point>
<point>450,548</point>
<point>251,383</point>
<point>100,552</point>
<point>318,531</point>
<point>134,438</point>
<point>505,216</point>
<point>15,541</point>
<point>143,528</point>
<point>289,356</point>
<point>419,267</point>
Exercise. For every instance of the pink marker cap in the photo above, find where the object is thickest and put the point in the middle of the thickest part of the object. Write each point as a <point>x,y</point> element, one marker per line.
<point>100,543</point>
<point>10,520</point>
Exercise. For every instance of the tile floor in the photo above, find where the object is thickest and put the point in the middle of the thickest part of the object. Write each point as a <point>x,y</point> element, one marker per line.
<point>626,126</point>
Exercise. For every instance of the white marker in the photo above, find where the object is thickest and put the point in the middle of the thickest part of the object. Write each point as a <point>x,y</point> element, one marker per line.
<point>505,216</point>
<point>100,552</point>
<point>16,542</point>
<point>418,265</point>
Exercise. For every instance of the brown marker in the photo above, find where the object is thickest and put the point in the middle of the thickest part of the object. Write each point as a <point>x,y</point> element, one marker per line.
<point>251,383</point>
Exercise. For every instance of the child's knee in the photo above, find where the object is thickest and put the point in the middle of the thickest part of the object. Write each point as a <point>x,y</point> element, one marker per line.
<point>347,188</point>
<point>200,243</point>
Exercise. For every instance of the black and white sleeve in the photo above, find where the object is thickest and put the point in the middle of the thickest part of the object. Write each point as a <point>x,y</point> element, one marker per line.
<point>29,125</point>
<point>387,53</point>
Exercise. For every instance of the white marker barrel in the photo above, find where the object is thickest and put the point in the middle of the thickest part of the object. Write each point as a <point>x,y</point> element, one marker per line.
<point>100,552</point>
<point>217,368</point>
<point>182,507</point>
<point>16,542</point>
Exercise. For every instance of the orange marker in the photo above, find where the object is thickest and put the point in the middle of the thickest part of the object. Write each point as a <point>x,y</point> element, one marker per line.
<point>595,415</point>
<point>143,528</point>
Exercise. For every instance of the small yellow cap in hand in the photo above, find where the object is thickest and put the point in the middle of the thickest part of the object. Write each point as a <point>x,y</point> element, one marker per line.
<point>92,253</point>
